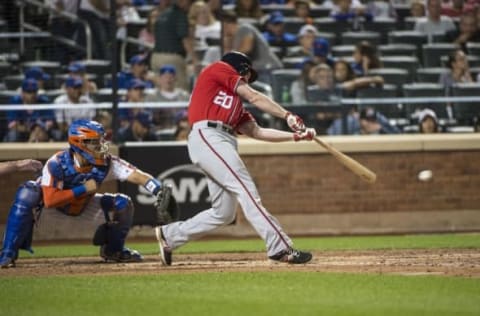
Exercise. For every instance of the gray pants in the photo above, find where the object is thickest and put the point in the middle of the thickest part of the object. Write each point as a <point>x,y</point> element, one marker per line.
<point>215,152</point>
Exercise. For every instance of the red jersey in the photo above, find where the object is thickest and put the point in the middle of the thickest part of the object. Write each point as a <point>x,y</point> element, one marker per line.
<point>214,97</point>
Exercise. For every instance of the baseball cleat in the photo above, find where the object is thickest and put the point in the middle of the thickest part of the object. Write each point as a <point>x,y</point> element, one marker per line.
<point>292,256</point>
<point>165,250</point>
<point>7,259</point>
<point>124,256</point>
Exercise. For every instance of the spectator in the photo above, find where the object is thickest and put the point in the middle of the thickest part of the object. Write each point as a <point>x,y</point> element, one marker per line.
<point>31,125</point>
<point>321,52</point>
<point>139,129</point>
<point>126,13</point>
<point>334,6</point>
<point>298,89</point>
<point>466,32</point>
<point>73,95</point>
<point>367,122</point>
<point>105,118</point>
<point>453,8</point>
<point>214,53</point>
<point>96,13</point>
<point>182,127</point>
<point>40,76</point>
<point>275,33</point>
<point>247,39</point>
<point>427,122</point>
<point>302,10</point>
<point>215,7</point>
<point>248,9</point>
<point>205,26</point>
<point>347,13</point>
<point>138,70</point>
<point>417,8</point>
<point>147,34</point>
<point>365,57</point>
<point>434,23</point>
<point>306,38</point>
<point>459,70</point>
<point>373,122</point>
<point>135,94</point>
<point>172,41</point>
<point>166,92</point>
<point>382,9</point>
<point>78,70</point>
<point>64,27</point>
<point>345,78</point>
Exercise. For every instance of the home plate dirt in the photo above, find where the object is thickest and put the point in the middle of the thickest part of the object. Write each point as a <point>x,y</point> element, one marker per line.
<point>446,262</point>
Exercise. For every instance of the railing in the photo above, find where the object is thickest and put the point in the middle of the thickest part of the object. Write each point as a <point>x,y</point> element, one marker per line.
<point>71,17</point>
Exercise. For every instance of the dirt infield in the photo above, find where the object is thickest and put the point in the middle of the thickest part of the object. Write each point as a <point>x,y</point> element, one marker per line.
<point>446,262</point>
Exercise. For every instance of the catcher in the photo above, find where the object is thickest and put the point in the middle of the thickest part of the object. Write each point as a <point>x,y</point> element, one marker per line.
<point>66,194</point>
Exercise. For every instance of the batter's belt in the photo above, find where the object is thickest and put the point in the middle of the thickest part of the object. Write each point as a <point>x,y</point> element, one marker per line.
<point>214,124</point>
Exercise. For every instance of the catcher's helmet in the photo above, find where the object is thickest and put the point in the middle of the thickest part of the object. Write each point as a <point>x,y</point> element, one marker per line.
<point>241,63</point>
<point>88,139</point>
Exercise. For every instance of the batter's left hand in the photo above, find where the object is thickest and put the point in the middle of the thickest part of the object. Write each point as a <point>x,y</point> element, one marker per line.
<point>295,122</point>
<point>307,134</point>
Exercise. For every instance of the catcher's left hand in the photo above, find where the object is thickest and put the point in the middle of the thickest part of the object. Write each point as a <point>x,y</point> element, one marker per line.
<point>162,206</point>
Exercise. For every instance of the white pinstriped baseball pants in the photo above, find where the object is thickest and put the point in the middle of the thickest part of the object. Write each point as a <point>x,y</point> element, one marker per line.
<point>215,152</point>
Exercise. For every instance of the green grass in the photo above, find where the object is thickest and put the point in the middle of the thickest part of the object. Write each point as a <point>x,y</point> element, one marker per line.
<point>260,293</point>
<point>251,245</point>
<point>248,293</point>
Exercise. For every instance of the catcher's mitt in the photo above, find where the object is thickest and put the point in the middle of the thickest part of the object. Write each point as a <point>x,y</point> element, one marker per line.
<point>166,206</point>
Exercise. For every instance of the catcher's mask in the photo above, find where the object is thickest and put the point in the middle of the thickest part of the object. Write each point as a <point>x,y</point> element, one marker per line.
<point>241,63</point>
<point>88,139</point>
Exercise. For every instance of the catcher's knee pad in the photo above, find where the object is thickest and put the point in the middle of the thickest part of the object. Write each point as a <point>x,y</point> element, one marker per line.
<point>19,228</point>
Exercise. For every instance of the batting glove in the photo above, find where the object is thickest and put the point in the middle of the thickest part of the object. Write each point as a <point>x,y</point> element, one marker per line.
<point>294,122</point>
<point>307,134</point>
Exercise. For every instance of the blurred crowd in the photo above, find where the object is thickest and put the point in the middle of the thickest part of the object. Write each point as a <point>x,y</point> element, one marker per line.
<point>301,58</point>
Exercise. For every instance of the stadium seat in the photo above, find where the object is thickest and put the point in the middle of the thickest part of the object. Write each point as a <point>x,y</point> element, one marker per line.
<point>342,50</point>
<point>320,12</point>
<point>473,48</point>
<point>283,78</point>
<point>408,37</point>
<point>393,76</point>
<point>5,69</point>
<point>292,62</point>
<point>286,10</point>
<point>60,79</point>
<point>5,96</point>
<point>383,26</point>
<point>424,90</point>
<point>97,66</point>
<point>409,23</point>
<point>330,25</point>
<point>432,53</point>
<point>13,82</point>
<point>352,38</point>
<point>392,111</point>
<point>50,67</point>
<point>331,37</point>
<point>465,111</point>
<point>397,50</point>
<point>293,24</point>
<point>430,75</point>
<point>409,63</point>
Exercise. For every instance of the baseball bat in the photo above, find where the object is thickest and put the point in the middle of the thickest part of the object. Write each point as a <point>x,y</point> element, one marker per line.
<point>356,167</point>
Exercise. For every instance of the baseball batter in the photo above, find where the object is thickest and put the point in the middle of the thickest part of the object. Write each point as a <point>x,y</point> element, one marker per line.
<point>215,113</point>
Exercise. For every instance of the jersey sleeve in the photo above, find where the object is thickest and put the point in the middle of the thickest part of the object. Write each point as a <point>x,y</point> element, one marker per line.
<point>119,170</point>
<point>52,185</point>
<point>228,77</point>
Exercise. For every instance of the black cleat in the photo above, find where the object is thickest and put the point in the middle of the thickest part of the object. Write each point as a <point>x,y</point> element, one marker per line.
<point>165,250</point>
<point>292,256</point>
<point>124,256</point>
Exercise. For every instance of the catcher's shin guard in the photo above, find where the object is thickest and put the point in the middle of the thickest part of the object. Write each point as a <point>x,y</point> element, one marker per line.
<point>19,228</point>
<point>111,235</point>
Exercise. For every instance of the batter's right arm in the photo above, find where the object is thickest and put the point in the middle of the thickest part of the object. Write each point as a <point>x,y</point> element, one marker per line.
<point>268,105</point>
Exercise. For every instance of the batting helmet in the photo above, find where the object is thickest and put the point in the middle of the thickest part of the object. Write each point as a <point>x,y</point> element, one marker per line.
<point>241,63</point>
<point>87,138</point>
